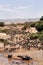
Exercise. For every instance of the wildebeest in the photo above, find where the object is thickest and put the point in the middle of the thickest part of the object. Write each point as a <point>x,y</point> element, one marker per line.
<point>24,57</point>
<point>10,56</point>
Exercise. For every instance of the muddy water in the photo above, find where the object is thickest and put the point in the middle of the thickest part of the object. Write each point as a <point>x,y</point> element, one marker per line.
<point>3,60</point>
<point>36,55</point>
<point>20,62</point>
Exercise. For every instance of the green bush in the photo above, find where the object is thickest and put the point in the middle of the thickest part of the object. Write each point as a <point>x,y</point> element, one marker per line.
<point>26,25</point>
<point>2,24</point>
<point>34,36</point>
<point>39,26</point>
<point>32,24</point>
<point>5,30</point>
<point>8,31</point>
<point>12,24</point>
<point>38,35</point>
<point>20,23</point>
<point>41,35</point>
<point>24,28</point>
<point>1,40</point>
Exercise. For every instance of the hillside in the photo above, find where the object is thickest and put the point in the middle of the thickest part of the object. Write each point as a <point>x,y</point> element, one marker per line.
<point>22,39</point>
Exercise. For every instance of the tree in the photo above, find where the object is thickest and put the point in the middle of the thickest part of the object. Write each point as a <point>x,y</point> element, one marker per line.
<point>41,19</point>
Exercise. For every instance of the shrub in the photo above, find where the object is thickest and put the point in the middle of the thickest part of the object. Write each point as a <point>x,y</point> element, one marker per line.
<point>5,30</point>
<point>24,28</point>
<point>26,25</point>
<point>8,31</point>
<point>38,35</point>
<point>12,24</point>
<point>2,24</point>
<point>39,26</point>
<point>32,24</point>
<point>34,36</point>
<point>1,40</point>
<point>20,23</point>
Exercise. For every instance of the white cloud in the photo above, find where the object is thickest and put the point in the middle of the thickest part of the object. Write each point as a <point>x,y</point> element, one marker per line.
<point>24,7</point>
<point>17,12</point>
<point>5,8</point>
<point>9,9</point>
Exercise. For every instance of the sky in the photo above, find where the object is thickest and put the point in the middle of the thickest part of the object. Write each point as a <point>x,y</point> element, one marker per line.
<point>21,9</point>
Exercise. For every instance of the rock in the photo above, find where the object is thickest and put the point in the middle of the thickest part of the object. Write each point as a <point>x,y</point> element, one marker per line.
<point>4,36</point>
